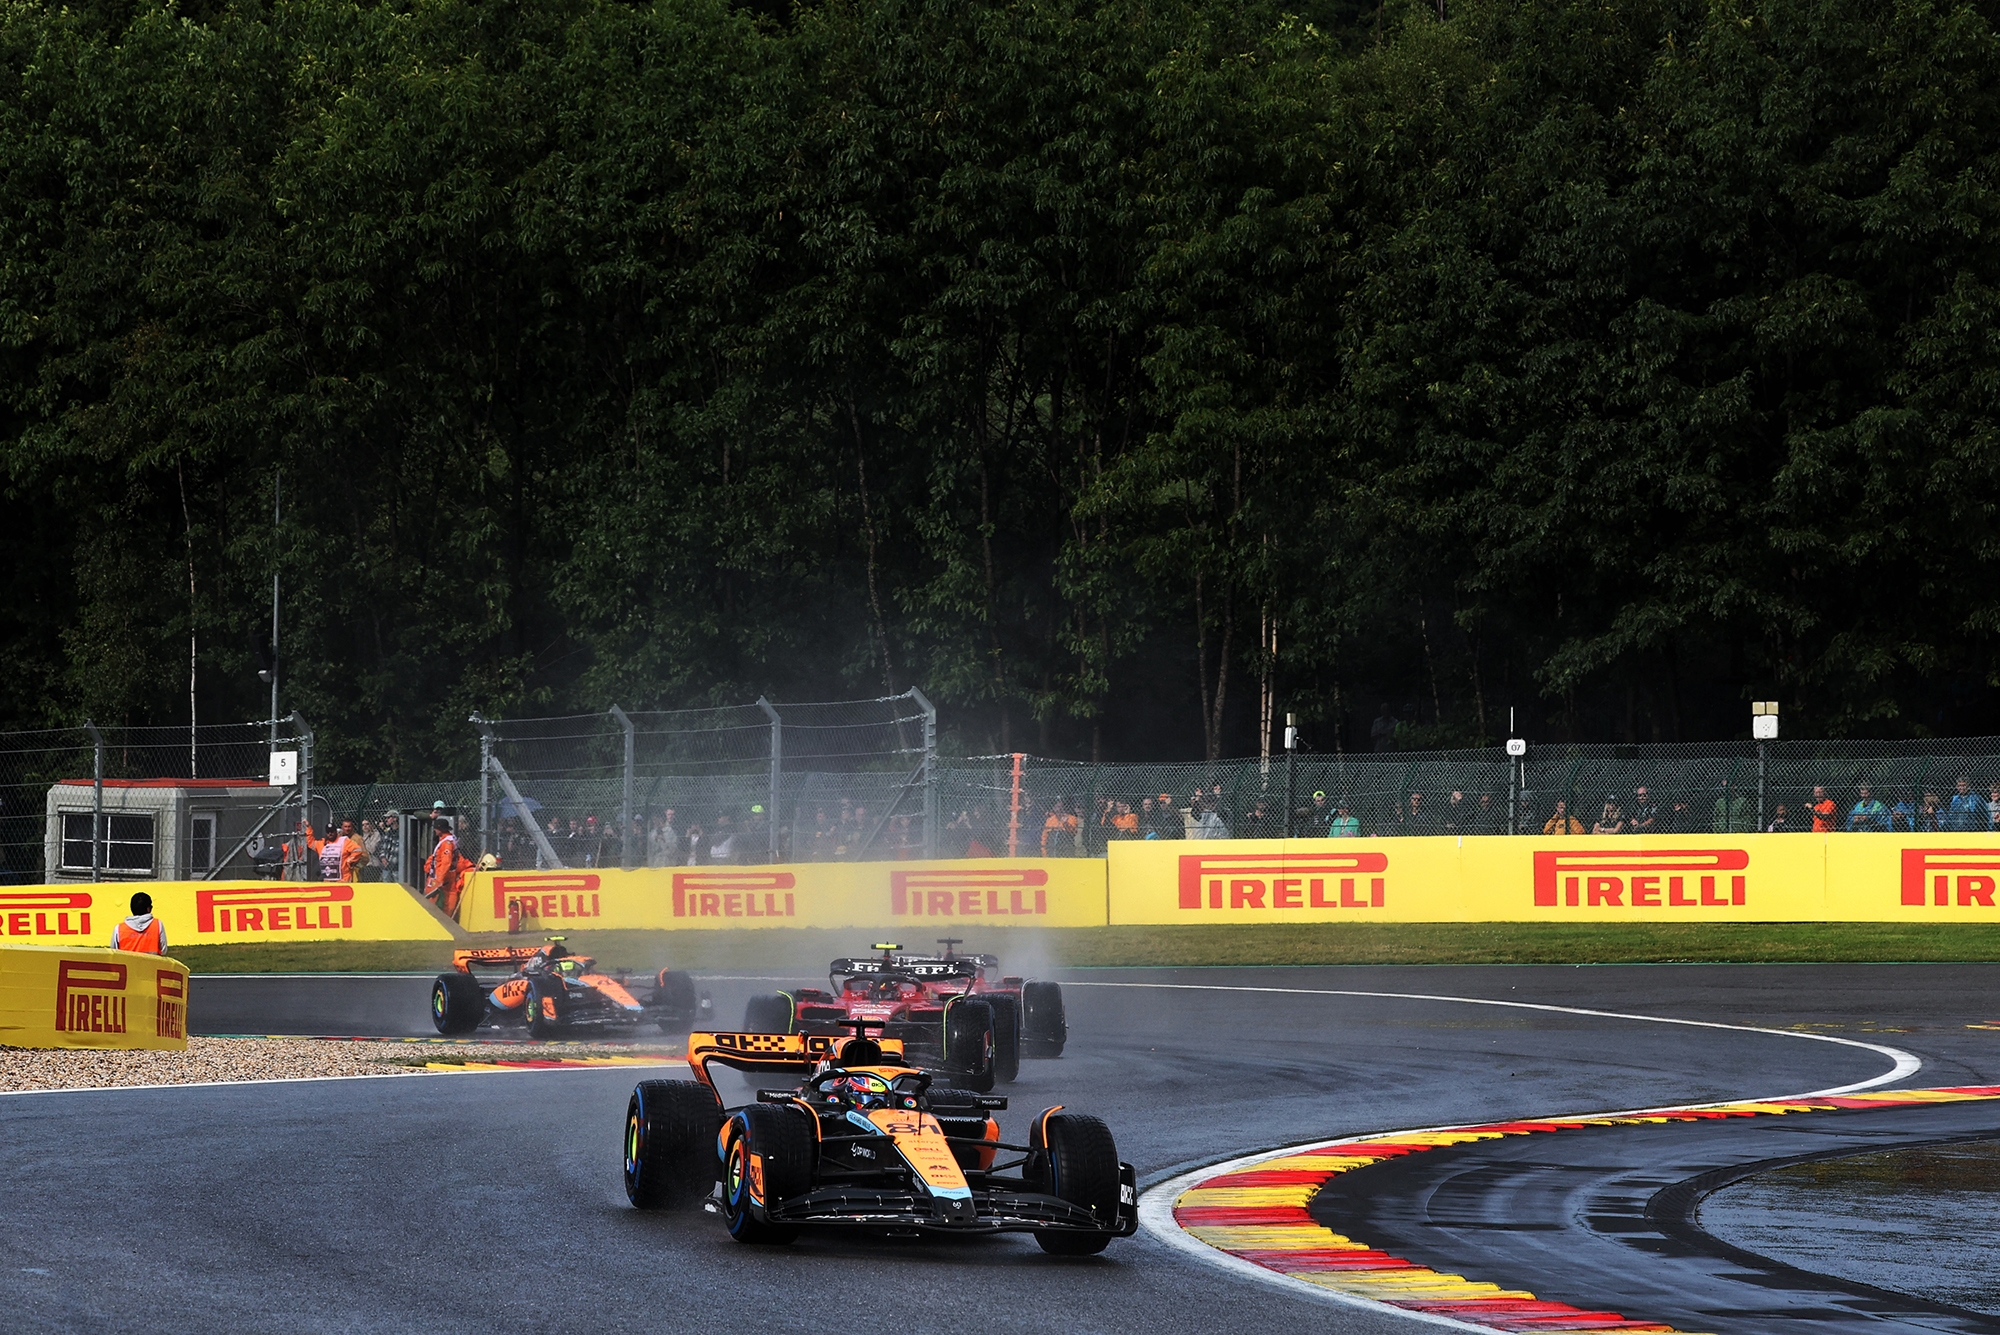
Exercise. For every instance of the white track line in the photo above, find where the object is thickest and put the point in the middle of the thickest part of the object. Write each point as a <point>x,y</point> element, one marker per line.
<point>322,1079</point>
<point>1156,1203</point>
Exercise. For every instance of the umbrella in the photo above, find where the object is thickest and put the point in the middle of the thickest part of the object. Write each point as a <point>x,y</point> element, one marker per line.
<point>528,807</point>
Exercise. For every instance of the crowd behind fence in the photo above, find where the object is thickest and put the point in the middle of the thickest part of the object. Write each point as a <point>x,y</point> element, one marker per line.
<point>861,781</point>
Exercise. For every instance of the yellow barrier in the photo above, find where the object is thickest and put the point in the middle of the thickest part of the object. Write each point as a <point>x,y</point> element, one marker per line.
<point>1053,892</point>
<point>52,997</point>
<point>219,912</point>
<point>1658,878</point>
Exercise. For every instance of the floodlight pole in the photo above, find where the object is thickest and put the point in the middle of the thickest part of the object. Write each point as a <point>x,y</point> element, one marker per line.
<point>930,773</point>
<point>777,770</point>
<point>1291,752</point>
<point>625,810</point>
<point>485,780</point>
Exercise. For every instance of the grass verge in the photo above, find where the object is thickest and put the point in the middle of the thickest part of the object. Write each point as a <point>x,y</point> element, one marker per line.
<point>804,952</point>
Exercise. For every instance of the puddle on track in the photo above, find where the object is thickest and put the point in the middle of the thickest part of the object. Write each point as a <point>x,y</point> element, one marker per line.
<point>1925,1222</point>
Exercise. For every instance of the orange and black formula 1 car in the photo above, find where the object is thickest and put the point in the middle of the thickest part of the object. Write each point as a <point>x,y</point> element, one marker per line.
<point>549,991</point>
<point>866,1140</point>
<point>948,1010</point>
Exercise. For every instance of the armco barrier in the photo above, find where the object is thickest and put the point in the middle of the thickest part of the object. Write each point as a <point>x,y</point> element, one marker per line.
<point>1057,892</point>
<point>205,913</point>
<point>1666,878</point>
<point>53,997</point>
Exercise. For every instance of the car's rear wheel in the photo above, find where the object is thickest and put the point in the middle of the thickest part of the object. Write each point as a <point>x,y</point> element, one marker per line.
<point>1006,1036</point>
<point>674,997</point>
<point>1044,1028</point>
<point>458,1003</point>
<point>545,1017</point>
<point>768,1013</point>
<point>670,1130</point>
<point>1079,1164</point>
<point>773,1145</point>
<point>968,1043</point>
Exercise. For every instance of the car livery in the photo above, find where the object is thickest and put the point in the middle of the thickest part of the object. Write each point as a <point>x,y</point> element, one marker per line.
<point>865,1140</point>
<point>550,991</point>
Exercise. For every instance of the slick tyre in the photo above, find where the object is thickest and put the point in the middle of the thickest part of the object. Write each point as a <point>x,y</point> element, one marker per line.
<point>670,1131</point>
<point>675,1000</point>
<point>1044,1029</point>
<point>1079,1165</point>
<point>458,1003</point>
<point>968,1044</point>
<point>544,1009</point>
<point>1006,1037</point>
<point>773,1144</point>
<point>768,1013</point>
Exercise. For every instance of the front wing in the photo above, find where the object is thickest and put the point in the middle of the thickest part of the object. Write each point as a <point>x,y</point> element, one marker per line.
<point>994,1209</point>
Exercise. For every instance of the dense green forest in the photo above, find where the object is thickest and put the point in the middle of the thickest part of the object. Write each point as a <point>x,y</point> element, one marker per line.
<point>1106,369</point>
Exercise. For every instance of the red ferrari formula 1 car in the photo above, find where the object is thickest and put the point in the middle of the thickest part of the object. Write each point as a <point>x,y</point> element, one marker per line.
<point>550,991</point>
<point>946,1010</point>
<point>863,1139</point>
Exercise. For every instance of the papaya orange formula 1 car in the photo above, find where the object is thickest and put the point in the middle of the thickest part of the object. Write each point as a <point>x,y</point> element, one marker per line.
<point>548,991</point>
<point>865,1140</point>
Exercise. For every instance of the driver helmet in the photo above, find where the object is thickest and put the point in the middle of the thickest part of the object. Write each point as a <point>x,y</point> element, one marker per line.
<point>861,1088</point>
<point>887,989</point>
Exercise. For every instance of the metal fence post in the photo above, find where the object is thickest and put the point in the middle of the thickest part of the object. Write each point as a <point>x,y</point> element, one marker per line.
<point>777,769</point>
<point>625,808</point>
<point>485,782</point>
<point>96,806</point>
<point>1762,820</point>
<point>930,774</point>
<point>301,849</point>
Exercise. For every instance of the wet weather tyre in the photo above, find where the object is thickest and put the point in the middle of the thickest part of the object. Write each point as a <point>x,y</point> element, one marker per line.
<point>782,1138</point>
<point>670,1130</point>
<point>1044,1028</point>
<point>544,996</point>
<point>1006,1037</point>
<point>458,1003</point>
<point>675,999</point>
<point>768,1013</point>
<point>1080,1165</point>
<point>968,1044</point>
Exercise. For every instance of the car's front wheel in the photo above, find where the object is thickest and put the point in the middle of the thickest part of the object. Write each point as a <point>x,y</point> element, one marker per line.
<point>769,1159</point>
<point>1079,1164</point>
<point>545,1018</point>
<point>458,1003</point>
<point>670,1130</point>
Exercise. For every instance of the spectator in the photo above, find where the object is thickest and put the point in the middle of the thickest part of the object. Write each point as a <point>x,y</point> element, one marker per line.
<point>1869,816</point>
<point>1780,822</point>
<point>1208,823</point>
<point>697,847</point>
<point>1993,808</point>
<point>1125,822</point>
<point>1903,816</point>
<point>663,842</point>
<point>1382,732</point>
<point>1413,819</point>
<point>1561,822</point>
<point>1492,820</point>
<point>722,842</point>
<point>1645,816</point>
<point>1930,815</point>
<point>1967,811</point>
<point>1732,810</point>
<point>1166,821</point>
<point>1680,817</point>
<point>1059,830</point>
<point>1343,825</point>
<point>371,839</point>
<point>1825,816</point>
<point>1457,814</point>
<point>1611,822</point>
<point>1311,821</point>
<point>342,855</point>
<point>1261,823</point>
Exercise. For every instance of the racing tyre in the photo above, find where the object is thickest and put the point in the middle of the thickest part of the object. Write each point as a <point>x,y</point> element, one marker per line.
<point>1043,1028</point>
<point>676,1001</point>
<point>781,1138</point>
<point>1006,1037</point>
<point>458,1003</point>
<point>768,1013</point>
<point>544,997</point>
<point>670,1130</point>
<point>968,1044</point>
<point>1079,1165</point>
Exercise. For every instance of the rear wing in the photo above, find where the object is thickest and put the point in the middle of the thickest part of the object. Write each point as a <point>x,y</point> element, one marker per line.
<point>914,966</point>
<point>493,957</point>
<point>800,1053</point>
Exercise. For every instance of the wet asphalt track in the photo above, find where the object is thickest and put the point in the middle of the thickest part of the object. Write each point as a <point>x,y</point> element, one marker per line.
<point>492,1202</point>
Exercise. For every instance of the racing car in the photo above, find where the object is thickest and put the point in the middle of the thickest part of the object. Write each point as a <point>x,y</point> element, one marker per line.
<point>948,1009</point>
<point>549,990</point>
<point>866,1140</point>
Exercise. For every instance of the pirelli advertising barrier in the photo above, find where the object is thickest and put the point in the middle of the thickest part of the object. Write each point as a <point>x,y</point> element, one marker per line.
<point>206,913</point>
<point>1054,892</point>
<point>52,997</point>
<point>1665,878</point>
